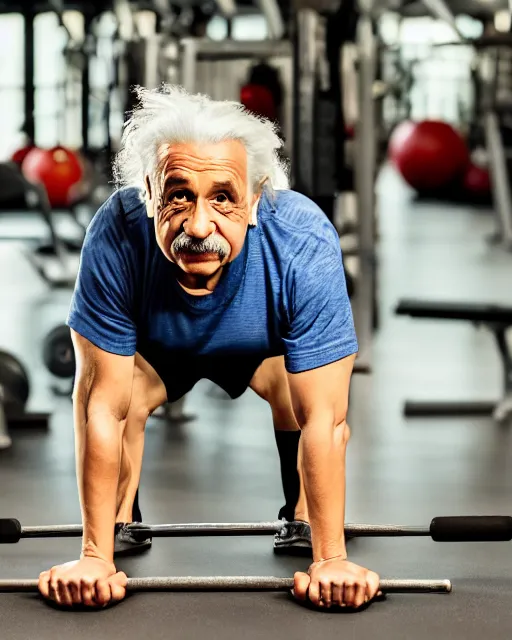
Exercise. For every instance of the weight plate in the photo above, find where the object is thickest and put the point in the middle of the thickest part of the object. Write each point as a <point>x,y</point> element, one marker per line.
<point>58,353</point>
<point>14,383</point>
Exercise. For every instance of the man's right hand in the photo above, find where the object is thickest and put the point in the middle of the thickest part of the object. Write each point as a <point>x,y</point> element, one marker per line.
<point>90,581</point>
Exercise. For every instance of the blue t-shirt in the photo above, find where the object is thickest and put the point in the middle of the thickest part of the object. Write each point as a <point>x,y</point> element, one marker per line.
<point>285,294</point>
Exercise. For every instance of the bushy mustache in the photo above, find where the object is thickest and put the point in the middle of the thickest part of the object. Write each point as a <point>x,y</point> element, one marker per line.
<point>212,244</point>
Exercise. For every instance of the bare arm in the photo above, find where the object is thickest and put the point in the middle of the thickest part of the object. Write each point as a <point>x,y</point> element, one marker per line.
<point>320,403</point>
<point>101,398</point>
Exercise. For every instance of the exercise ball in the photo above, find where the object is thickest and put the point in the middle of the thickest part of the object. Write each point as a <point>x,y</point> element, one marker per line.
<point>430,154</point>
<point>268,76</point>
<point>400,133</point>
<point>20,154</point>
<point>259,100</point>
<point>477,181</point>
<point>57,169</point>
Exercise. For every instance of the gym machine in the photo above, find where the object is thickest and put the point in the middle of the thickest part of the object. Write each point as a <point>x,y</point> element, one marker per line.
<point>220,69</point>
<point>17,192</point>
<point>56,259</point>
<point>491,126</point>
<point>365,304</point>
<point>498,319</point>
<point>319,154</point>
<point>493,109</point>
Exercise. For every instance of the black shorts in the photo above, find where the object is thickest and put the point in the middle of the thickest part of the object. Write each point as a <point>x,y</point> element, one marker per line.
<point>233,373</point>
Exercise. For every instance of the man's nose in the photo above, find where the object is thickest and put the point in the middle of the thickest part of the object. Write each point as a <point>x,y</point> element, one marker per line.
<point>199,224</point>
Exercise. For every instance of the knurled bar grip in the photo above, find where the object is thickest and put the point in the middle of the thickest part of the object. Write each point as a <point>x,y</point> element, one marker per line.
<point>239,583</point>
<point>442,529</point>
<point>11,530</point>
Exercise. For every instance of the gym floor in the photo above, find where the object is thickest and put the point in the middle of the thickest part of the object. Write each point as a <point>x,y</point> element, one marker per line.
<point>223,466</point>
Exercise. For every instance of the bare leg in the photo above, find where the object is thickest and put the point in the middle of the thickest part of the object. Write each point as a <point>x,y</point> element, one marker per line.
<point>148,393</point>
<point>270,382</point>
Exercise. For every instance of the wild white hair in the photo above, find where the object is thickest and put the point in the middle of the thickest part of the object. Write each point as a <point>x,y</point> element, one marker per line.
<point>170,115</point>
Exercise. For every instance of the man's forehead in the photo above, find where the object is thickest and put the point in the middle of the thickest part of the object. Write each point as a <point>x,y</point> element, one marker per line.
<point>229,155</point>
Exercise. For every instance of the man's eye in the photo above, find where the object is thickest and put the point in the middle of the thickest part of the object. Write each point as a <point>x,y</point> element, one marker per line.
<point>221,198</point>
<point>179,196</point>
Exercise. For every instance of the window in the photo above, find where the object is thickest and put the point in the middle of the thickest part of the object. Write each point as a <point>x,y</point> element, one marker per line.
<point>49,80</point>
<point>11,83</point>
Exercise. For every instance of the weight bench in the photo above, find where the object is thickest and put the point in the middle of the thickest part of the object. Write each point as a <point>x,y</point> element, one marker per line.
<point>495,318</point>
<point>15,421</point>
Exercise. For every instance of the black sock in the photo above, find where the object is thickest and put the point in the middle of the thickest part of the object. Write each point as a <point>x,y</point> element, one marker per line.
<point>288,447</point>
<point>136,514</point>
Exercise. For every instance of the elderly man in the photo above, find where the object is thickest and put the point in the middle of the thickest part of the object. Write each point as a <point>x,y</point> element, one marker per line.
<point>205,265</point>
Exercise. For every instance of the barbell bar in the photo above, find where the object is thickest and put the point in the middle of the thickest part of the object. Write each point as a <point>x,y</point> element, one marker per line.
<point>237,583</point>
<point>441,529</point>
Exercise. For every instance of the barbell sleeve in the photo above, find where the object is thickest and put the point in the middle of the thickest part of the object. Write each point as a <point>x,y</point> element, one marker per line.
<point>10,531</point>
<point>237,583</point>
<point>471,529</point>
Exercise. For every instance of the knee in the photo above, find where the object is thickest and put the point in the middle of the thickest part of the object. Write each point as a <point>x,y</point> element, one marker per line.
<point>136,419</point>
<point>146,396</point>
<point>344,432</point>
<point>262,387</point>
<point>269,379</point>
<point>283,418</point>
<point>148,389</point>
<point>139,412</point>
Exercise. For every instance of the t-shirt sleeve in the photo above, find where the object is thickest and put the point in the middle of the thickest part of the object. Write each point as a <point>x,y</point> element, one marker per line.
<point>321,326</point>
<point>102,304</point>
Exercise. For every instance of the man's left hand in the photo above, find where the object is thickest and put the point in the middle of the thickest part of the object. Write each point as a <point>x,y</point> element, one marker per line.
<point>336,582</point>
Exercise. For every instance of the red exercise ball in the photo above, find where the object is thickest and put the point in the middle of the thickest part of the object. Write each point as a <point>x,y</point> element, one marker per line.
<point>19,156</point>
<point>430,154</point>
<point>400,133</point>
<point>350,131</point>
<point>477,181</point>
<point>58,169</point>
<point>259,100</point>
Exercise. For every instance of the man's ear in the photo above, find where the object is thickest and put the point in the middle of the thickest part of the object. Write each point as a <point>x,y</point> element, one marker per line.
<point>253,221</point>
<point>255,202</point>
<point>149,198</point>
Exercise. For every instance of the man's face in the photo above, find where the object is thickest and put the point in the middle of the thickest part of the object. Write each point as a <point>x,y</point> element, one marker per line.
<point>201,205</point>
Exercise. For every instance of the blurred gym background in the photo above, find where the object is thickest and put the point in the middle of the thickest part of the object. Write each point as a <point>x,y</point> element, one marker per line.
<point>396,121</point>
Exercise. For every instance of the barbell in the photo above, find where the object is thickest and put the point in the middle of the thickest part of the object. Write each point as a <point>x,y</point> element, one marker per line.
<point>238,583</point>
<point>441,529</point>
